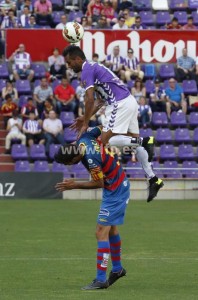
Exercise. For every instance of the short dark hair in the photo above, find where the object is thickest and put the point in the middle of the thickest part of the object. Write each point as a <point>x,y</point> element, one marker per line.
<point>66,153</point>
<point>174,19</point>
<point>190,18</point>
<point>96,55</point>
<point>8,96</point>
<point>74,51</point>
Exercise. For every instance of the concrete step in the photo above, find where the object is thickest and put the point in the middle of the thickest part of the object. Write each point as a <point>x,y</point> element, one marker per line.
<point>1,125</point>
<point>2,142</point>
<point>7,167</point>
<point>5,158</point>
<point>3,133</point>
<point>2,149</point>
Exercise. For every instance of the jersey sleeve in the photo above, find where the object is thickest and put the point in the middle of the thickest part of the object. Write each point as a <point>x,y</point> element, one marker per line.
<point>87,77</point>
<point>95,132</point>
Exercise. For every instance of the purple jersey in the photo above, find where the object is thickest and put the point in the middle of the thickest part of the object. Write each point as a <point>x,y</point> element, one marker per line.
<point>105,82</point>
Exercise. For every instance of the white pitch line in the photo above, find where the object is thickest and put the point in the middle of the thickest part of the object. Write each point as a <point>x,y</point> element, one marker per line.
<point>88,258</point>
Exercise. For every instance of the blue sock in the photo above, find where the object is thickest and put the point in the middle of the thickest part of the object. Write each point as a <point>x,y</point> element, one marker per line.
<point>102,260</point>
<point>115,249</point>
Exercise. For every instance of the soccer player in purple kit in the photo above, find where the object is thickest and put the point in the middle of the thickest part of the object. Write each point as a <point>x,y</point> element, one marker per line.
<point>121,128</point>
<point>107,174</point>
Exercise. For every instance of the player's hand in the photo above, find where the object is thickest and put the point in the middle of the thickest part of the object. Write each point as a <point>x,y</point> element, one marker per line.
<point>78,123</point>
<point>67,184</point>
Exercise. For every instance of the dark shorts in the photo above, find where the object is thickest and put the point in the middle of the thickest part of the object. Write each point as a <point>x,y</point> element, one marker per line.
<point>35,137</point>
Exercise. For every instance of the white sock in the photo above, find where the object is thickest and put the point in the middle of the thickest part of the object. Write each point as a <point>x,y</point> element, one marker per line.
<point>121,141</point>
<point>142,157</point>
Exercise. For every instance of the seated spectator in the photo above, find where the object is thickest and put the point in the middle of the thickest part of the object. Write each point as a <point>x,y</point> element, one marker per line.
<point>84,23</point>
<point>26,3</point>
<point>6,5</point>
<point>57,65</point>
<point>175,98</point>
<point>80,95</point>
<point>70,74</point>
<point>9,21</point>
<point>94,9</point>
<point>138,90</point>
<point>185,67</point>
<point>63,22</point>
<point>33,131</point>
<point>14,127</point>
<point>157,98</point>
<point>28,108</point>
<point>102,23</point>
<point>53,128</point>
<point>41,93</point>
<point>144,112</point>
<point>11,90</point>
<point>43,11</point>
<point>124,4</point>
<point>174,24</point>
<point>32,23</point>
<point>25,17</point>
<point>65,96</point>
<point>189,25</point>
<point>22,63</point>
<point>138,24</point>
<point>129,21</point>
<point>95,57</point>
<point>121,24</point>
<point>131,67</point>
<point>109,12</point>
<point>8,108</point>
<point>114,61</point>
<point>48,106</point>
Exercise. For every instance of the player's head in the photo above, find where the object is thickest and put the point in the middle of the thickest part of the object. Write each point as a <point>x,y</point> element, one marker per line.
<point>74,57</point>
<point>70,154</point>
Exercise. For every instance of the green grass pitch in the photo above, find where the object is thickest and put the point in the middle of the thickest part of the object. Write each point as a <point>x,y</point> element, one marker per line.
<point>48,250</point>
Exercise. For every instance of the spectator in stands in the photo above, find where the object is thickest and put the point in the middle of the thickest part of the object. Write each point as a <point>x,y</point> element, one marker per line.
<point>71,75</point>
<point>57,65</point>
<point>63,22</point>
<point>185,67</point>
<point>11,90</point>
<point>6,5</point>
<point>189,25</point>
<point>144,112</point>
<point>123,5</point>
<point>174,24</point>
<point>7,108</point>
<point>80,95</point>
<point>94,9</point>
<point>84,23</point>
<point>25,17</point>
<point>109,12</point>
<point>26,3</point>
<point>33,131</point>
<point>2,47</point>
<point>9,21</point>
<point>28,108</point>
<point>114,61</point>
<point>65,96</point>
<point>43,11</point>
<point>95,57</point>
<point>138,24</point>
<point>22,63</point>
<point>121,24</point>
<point>131,67</point>
<point>157,98</point>
<point>48,106</point>
<point>138,90</point>
<point>53,128</point>
<point>41,93</point>
<point>32,23</point>
<point>102,23</point>
<point>129,21</point>
<point>14,127</point>
<point>175,98</point>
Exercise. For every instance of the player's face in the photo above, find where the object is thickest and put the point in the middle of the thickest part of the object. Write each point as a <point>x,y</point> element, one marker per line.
<point>74,63</point>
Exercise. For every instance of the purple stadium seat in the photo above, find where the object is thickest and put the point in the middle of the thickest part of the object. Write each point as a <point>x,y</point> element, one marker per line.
<point>2,83</point>
<point>167,152</point>
<point>189,87</point>
<point>69,135</point>
<point>56,167</point>
<point>165,84</point>
<point>53,149</point>
<point>130,84</point>
<point>23,86</point>
<point>159,119</point>
<point>178,119</point>
<point>56,15</point>
<point>37,152</point>
<point>163,135</point>
<point>57,4</point>
<point>19,152</point>
<point>149,71</point>
<point>39,70</point>
<point>41,166</point>
<point>131,164</point>
<point>142,5</point>
<point>37,83</point>
<point>75,15</point>
<point>177,5</point>
<point>173,174</point>
<point>170,164</point>
<point>4,73</point>
<point>146,132</point>
<point>166,71</point>
<point>22,166</point>
<point>149,85</point>
<point>195,17</point>
<point>67,118</point>
<point>185,152</point>
<point>170,171</point>
<point>181,16</point>
<point>55,83</point>
<point>146,17</point>
<point>133,173</point>
<point>182,135</point>
<point>23,100</point>
<point>187,169</point>
<point>162,18</point>
<point>195,136</point>
<point>79,171</point>
<point>193,119</point>
<point>75,83</point>
<point>193,4</point>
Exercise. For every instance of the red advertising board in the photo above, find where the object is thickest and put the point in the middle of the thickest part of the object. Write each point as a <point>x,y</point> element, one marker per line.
<point>149,45</point>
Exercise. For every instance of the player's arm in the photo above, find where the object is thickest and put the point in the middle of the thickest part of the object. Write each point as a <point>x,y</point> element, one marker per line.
<point>70,184</point>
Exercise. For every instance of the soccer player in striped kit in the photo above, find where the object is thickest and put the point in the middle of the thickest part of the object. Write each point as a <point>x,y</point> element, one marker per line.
<point>121,128</point>
<point>107,174</point>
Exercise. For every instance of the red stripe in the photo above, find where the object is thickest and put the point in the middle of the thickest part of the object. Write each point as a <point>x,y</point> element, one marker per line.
<point>99,257</point>
<point>108,164</point>
<point>113,172</point>
<point>115,251</point>
<point>116,183</point>
<point>115,258</point>
<point>101,268</point>
<point>103,153</point>
<point>103,250</point>
<point>115,244</point>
